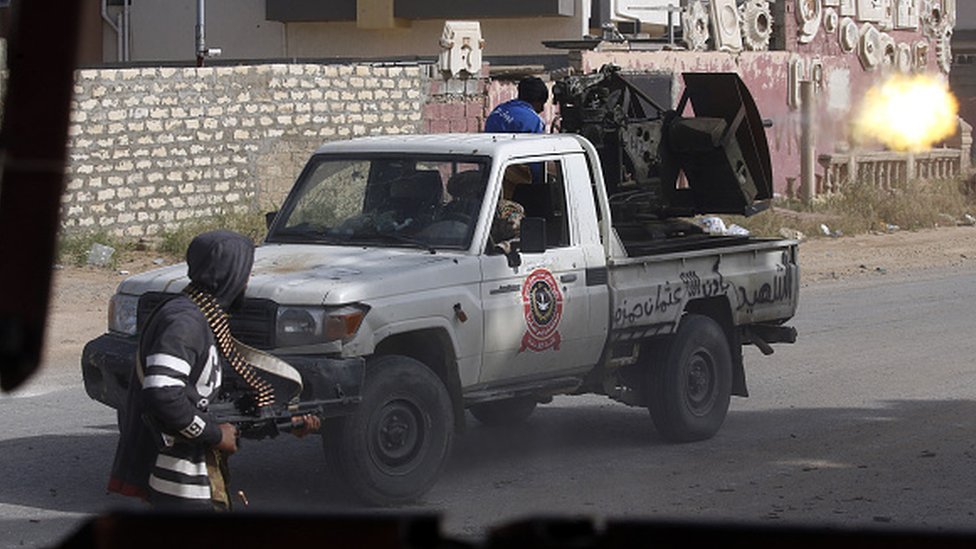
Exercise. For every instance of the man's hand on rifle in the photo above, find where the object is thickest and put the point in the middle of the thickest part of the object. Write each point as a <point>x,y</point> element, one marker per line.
<point>303,425</point>
<point>228,438</point>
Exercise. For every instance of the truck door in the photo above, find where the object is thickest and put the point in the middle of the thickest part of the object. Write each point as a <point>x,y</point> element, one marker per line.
<point>536,314</point>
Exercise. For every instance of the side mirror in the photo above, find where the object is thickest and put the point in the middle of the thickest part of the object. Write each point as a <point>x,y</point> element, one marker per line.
<point>532,235</point>
<point>269,219</point>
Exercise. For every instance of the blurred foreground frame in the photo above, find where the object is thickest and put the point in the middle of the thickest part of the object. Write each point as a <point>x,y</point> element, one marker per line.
<point>403,530</point>
<point>41,58</point>
<point>33,150</point>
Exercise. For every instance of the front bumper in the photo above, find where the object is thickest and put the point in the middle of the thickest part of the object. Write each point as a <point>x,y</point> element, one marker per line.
<point>333,384</point>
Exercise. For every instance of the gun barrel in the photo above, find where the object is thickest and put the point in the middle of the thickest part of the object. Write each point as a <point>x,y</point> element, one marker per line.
<point>279,419</point>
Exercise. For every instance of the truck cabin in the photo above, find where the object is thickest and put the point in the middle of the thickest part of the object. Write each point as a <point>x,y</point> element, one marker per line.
<point>431,202</point>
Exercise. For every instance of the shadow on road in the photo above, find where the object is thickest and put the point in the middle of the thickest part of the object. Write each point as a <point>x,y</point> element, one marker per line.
<point>608,455</point>
<point>595,457</point>
<point>65,473</point>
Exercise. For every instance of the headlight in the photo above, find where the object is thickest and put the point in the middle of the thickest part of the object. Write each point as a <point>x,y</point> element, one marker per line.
<point>311,325</point>
<point>122,313</point>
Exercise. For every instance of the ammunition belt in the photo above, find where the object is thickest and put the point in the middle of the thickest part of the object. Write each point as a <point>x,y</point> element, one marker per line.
<point>218,321</point>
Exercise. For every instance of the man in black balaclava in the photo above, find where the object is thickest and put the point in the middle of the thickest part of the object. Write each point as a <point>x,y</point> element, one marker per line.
<point>170,447</point>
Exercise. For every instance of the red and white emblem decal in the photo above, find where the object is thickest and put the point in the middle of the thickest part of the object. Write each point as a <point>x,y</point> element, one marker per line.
<point>543,305</point>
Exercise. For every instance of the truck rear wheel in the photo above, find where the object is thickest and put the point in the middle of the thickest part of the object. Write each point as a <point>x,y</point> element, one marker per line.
<point>393,447</point>
<point>504,412</point>
<point>689,393</point>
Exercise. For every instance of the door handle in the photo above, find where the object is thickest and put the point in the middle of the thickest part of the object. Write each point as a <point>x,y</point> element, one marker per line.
<point>505,289</point>
<point>567,278</point>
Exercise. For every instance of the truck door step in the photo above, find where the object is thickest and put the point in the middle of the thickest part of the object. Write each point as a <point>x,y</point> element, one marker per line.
<point>545,387</point>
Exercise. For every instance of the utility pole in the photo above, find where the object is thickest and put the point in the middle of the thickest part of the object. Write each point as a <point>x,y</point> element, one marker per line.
<point>201,35</point>
<point>808,141</point>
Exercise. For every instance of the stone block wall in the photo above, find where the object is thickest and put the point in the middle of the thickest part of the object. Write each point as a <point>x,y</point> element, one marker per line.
<point>461,106</point>
<point>152,147</point>
<point>456,106</point>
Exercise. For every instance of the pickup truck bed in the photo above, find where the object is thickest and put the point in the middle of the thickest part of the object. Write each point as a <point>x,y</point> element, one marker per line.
<point>758,278</point>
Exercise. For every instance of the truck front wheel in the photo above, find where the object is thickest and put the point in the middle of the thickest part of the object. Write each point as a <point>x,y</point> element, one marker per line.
<point>689,392</point>
<point>392,448</point>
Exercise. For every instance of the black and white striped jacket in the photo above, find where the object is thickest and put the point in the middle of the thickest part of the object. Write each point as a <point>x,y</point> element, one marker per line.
<point>166,430</point>
<point>180,373</point>
<point>165,427</point>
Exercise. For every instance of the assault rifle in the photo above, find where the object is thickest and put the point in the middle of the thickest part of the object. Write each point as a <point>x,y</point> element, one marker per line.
<point>326,388</point>
<point>269,421</point>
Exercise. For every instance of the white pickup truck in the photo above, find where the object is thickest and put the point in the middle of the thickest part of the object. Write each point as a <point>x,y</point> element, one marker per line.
<point>381,283</point>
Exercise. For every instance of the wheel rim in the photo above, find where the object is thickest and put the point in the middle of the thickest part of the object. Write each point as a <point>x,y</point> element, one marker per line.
<point>397,436</point>
<point>700,390</point>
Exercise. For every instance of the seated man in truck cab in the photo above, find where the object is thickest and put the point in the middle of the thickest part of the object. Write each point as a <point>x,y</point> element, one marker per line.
<point>466,189</point>
<point>408,203</point>
<point>454,220</point>
<point>414,198</point>
<point>509,214</point>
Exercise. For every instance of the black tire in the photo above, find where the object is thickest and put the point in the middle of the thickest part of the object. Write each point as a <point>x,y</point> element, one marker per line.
<point>391,450</point>
<point>504,412</point>
<point>689,392</point>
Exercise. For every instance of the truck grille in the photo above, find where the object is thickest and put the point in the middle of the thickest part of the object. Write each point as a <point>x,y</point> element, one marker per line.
<point>252,324</point>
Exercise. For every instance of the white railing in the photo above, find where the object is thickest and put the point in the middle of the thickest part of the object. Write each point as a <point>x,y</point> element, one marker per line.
<point>886,169</point>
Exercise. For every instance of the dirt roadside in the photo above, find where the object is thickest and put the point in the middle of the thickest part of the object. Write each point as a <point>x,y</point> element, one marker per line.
<point>80,295</point>
<point>901,252</point>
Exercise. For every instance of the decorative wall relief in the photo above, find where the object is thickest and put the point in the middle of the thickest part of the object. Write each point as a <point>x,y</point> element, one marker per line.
<point>903,63</point>
<point>943,50</point>
<point>809,14</point>
<point>870,49</point>
<point>757,25</point>
<point>889,51</point>
<point>726,25</point>
<point>831,20</point>
<point>870,10</point>
<point>848,8</point>
<point>797,70</point>
<point>933,18</point>
<point>949,9</point>
<point>906,15</point>
<point>694,27</point>
<point>817,72</point>
<point>920,56</point>
<point>887,22</point>
<point>850,35</point>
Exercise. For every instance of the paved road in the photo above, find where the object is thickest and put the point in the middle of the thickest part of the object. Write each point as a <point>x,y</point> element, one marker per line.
<point>869,420</point>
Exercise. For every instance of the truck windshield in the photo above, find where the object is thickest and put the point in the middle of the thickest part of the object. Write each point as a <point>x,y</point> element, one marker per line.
<point>390,201</point>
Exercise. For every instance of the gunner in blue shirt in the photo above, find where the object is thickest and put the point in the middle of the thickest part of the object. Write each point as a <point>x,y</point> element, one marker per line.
<point>521,115</point>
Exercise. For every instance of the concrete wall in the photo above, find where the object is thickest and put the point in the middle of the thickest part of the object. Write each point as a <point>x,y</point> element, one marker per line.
<point>152,147</point>
<point>420,38</point>
<point>164,30</point>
